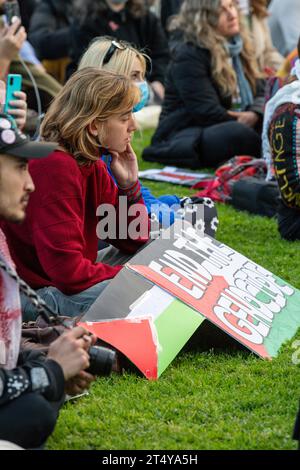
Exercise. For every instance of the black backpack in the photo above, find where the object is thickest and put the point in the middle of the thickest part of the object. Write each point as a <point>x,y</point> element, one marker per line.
<point>256,195</point>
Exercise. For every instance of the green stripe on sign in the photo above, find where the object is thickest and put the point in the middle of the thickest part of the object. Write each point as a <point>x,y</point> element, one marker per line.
<point>174,328</point>
<point>285,324</point>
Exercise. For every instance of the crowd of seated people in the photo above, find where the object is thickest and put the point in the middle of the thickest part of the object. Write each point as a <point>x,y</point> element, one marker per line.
<point>95,64</point>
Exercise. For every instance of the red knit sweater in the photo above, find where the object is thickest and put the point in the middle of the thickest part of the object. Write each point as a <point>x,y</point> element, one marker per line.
<point>57,243</point>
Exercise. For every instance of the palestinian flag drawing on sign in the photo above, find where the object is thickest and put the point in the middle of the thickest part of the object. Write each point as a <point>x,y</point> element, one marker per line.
<point>243,299</point>
<point>151,309</point>
<point>145,323</point>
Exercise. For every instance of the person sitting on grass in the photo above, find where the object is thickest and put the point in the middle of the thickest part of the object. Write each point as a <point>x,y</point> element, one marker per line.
<point>108,54</point>
<point>32,385</point>
<point>55,249</point>
<point>214,98</point>
<point>281,136</point>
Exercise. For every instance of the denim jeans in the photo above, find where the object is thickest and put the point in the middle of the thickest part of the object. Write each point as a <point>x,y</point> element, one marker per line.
<point>77,304</point>
<point>67,305</point>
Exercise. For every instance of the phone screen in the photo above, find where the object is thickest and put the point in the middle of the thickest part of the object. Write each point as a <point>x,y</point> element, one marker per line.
<point>12,9</point>
<point>14,83</point>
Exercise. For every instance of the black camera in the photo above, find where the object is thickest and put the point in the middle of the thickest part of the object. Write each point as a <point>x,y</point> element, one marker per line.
<point>101,360</point>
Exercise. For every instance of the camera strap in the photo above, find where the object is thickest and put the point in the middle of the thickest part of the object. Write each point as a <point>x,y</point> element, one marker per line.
<point>40,305</point>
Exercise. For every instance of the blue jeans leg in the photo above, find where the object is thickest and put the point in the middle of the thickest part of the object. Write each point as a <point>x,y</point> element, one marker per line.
<point>67,305</point>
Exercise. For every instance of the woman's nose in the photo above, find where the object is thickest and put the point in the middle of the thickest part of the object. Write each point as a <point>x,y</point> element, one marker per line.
<point>132,124</point>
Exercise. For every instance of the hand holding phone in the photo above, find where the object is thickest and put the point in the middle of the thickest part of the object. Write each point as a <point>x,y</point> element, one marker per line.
<point>13,85</point>
<point>12,9</point>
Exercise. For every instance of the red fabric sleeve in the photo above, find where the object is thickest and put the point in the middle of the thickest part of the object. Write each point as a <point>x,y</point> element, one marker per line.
<point>66,248</point>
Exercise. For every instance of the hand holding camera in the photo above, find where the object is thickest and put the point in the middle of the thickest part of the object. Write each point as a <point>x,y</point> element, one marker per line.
<point>70,350</point>
<point>80,360</point>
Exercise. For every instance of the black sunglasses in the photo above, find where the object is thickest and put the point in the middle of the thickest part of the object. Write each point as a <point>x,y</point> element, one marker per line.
<point>113,47</point>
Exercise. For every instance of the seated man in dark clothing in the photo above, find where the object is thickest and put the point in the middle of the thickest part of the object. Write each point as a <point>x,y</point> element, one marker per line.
<point>214,96</point>
<point>50,34</point>
<point>130,21</point>
<point>281,140</point>
<point>49,31</point>
<point>168,9</point>
<point>31,384</point>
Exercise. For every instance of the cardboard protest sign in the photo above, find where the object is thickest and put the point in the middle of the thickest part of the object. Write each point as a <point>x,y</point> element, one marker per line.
<point>245,300</point>
<point>174,175</point>
<point>142,321</point>
<point>155,304</point>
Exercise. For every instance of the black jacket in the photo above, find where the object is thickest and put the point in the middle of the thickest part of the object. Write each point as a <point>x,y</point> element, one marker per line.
<point>192,97</point>
<point>145,33</point>
<point>15,382</point>
<point>26,9</point>
<point>168,9</point>
<point>49,30</point>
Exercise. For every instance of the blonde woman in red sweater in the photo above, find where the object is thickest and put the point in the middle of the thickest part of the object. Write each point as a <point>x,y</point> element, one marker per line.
<point>55,250</point>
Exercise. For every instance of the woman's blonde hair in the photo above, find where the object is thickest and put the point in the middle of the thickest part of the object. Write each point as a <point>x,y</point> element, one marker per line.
<point>121,60</point>
<point>89,95</point>
<point>198,20</point>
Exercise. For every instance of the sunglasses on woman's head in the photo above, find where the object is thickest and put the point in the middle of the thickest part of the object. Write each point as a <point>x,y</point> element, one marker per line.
<point>113,47</point>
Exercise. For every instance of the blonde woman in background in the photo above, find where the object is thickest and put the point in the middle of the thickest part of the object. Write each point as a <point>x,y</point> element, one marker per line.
<point>214,99</point>
<point>120,57</point>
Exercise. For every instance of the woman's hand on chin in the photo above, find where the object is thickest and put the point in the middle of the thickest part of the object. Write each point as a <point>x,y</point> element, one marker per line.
<point>124,167</point>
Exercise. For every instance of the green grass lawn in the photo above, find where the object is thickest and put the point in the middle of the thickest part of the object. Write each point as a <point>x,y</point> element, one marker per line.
<point>220,398</point>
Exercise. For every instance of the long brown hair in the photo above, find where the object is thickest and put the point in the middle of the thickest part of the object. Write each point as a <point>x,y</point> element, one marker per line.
<point>90,94</point>
<point>198,21</point>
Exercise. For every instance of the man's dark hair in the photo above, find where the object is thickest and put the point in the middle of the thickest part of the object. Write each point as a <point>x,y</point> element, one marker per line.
<point>299,48</point>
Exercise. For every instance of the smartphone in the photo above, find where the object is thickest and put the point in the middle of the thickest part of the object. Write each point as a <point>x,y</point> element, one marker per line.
<point>13,84</point>
<point>11,9</point>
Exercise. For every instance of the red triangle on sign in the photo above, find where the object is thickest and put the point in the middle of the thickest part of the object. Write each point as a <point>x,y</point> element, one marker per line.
<point>132,337</point>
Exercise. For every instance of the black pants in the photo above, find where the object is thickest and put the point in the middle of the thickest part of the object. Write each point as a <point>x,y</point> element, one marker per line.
<point>289,223</point>
<point>223,141</point>
<point>207,147</point>
<point>296,434</point>
<point>28,420</point>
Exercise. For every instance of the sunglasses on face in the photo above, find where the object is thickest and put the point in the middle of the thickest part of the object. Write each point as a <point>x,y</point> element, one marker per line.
<point>113,47</point>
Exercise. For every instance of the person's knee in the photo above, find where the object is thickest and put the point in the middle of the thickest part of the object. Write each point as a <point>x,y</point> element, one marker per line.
<point>224,141</point>
<point>48,294</point>
<point>30,419</point>
<point>42,420</point>
<point>243,135</point>
<point>288,233</point>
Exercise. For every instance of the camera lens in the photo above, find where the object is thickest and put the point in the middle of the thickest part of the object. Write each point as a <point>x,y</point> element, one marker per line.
<point>101,360</point>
